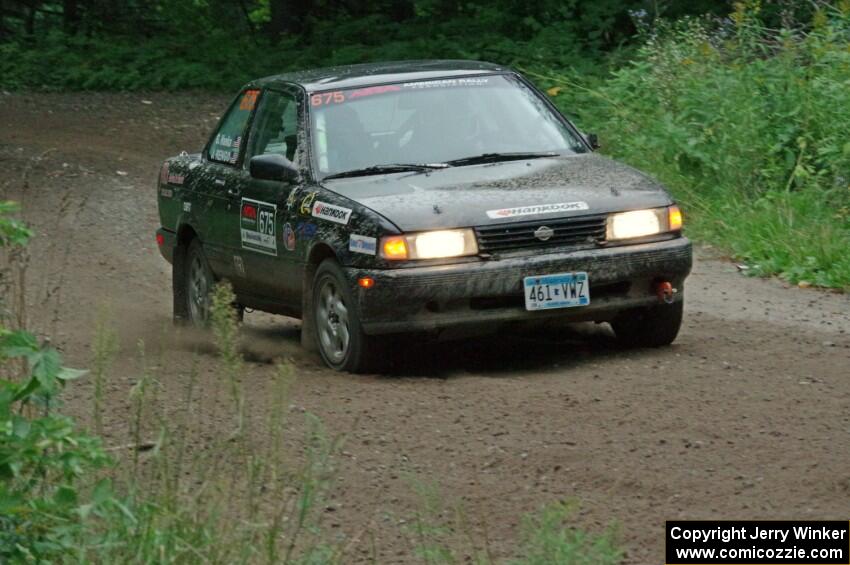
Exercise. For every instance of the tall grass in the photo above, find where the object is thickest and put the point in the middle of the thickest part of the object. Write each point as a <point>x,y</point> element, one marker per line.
<point>173,494</point>
<point>747,126</point>
<point>239,500</point>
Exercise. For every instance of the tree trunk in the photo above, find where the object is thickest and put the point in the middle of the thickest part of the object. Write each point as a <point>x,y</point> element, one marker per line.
<point>71,16</point>
<point>289,16</point>
<point>277,25</point>
<point>29,23</point>
<point>247,14</point>
<point>401,10</point>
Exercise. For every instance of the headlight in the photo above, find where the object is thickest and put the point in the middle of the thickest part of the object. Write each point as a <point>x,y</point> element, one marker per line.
<point>641,223</point>
<point>429,245</point>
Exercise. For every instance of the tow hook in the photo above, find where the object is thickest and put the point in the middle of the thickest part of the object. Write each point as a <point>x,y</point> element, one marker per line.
<point>665,291</point>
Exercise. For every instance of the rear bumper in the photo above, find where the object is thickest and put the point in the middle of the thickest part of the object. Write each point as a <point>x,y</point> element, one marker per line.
<point>166,241</point>
<point>490,292</point>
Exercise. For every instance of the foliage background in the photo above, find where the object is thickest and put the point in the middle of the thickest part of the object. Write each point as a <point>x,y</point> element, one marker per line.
<point>221,44</point>
<point>741,108</point>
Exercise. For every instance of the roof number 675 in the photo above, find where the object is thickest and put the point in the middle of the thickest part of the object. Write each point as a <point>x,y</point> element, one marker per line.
<point>327,98</point>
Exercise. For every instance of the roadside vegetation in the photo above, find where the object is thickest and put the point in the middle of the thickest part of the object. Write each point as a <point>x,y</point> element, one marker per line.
<point>741,111</point>
<point>172,494</point>
<point>739,107</point>
<point>747,126</point>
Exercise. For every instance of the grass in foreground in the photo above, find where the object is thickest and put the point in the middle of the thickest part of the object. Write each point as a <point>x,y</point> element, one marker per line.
<point>173,494</point>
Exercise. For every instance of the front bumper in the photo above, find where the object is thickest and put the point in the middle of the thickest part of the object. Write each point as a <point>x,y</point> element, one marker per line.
<point>490,292</point>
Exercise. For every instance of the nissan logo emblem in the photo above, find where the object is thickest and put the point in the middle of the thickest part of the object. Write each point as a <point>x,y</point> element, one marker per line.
<point>543,233</point>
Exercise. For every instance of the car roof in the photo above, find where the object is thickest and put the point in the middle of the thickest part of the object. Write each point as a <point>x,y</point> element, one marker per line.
<point>346,76</point>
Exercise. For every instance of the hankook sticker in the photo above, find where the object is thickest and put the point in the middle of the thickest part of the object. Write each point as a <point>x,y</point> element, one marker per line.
<point>362,244</point>
<point>257,226</point>
<point>332,213</point>
<point>537,210</point>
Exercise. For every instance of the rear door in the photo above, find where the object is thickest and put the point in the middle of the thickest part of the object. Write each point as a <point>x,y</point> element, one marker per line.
<point>268,233</point>
<point>223,180</point>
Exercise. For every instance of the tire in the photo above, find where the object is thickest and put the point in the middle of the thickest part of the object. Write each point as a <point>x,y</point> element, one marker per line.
<point>655,326</point>
<point>336,323</point>
<point>199,282</point>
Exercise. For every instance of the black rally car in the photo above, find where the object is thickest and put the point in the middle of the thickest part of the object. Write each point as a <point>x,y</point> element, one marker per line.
<point>419,196</point>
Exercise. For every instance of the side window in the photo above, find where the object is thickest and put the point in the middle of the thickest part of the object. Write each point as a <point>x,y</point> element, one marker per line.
<point>228,139</point>
<point>276,126</point>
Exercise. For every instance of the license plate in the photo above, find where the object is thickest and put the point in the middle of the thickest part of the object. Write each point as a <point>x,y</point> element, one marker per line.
<point>563,290</point>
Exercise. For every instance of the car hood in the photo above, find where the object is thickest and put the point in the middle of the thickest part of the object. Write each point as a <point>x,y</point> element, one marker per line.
<point>504,192</point>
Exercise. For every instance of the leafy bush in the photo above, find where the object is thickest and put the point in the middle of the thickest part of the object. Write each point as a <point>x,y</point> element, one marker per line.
<point>42,457</point>
<point>748,128</point>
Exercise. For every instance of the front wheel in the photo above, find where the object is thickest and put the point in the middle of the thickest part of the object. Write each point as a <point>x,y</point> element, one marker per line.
<point>342,343</point>
<point>655,326</point>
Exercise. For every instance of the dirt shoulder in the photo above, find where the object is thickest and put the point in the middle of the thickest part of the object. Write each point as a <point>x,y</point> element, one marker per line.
<point>741,418</point>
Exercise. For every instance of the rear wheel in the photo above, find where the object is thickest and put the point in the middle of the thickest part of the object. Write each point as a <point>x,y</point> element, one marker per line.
<point>199,283</point>
<point>342,343</point>
<point>655,326</point>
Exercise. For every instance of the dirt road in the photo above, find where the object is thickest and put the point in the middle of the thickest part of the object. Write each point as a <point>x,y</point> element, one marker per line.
<point>747,415</point>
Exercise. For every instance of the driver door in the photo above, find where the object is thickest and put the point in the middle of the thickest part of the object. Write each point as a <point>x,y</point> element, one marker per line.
<point>269,241</point>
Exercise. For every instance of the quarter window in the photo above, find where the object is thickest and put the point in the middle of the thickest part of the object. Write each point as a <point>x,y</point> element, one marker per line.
<point>227,142</point>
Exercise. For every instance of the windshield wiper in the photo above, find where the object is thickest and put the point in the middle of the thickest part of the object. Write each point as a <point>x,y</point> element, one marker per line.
<point>495,157</point>
<point>390,168</point>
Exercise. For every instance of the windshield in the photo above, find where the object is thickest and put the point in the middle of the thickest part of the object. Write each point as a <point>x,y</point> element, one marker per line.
<point>433,121</point>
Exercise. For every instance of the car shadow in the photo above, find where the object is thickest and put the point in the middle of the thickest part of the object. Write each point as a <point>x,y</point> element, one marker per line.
<point>504,353</point>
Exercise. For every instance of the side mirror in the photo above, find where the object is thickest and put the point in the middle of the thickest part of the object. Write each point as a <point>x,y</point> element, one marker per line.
<point>593,141</point>
<point>272,167</point>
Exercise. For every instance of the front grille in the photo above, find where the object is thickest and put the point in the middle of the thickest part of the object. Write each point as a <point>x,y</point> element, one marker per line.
<point>566,231</point>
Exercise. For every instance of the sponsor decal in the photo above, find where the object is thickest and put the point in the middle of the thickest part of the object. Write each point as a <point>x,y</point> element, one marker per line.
<point>176,179</point>
<point>223,140</point>
<point>372,90</point>
<point>187,206</point>
<point>446,82</point>
<point>307,203</point>
<point>257,226</point>
<point>362,244</point>
<point>249,100</point>
<point>341,96</point>
<point>322,98</point>
<point>239,265</point>
<point>306,230</point>
<point>537,210</point>
<point>332,213</point>
<point>226,148</point>
<point>288,237</point>
<point>290,200</point>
